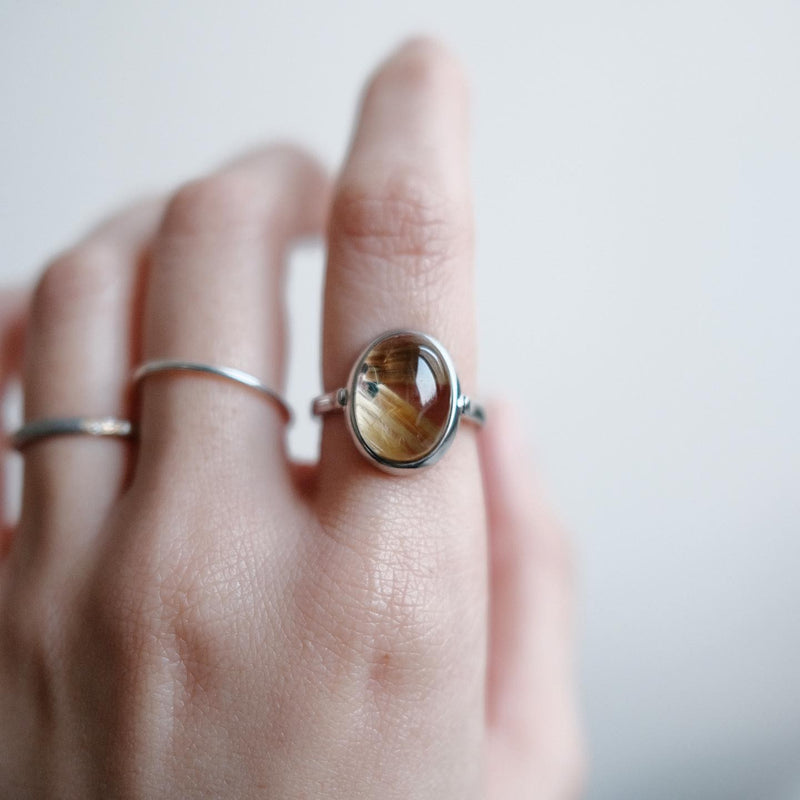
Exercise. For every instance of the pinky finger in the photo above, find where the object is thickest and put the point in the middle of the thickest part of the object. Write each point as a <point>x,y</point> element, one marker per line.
<point>535,744</point>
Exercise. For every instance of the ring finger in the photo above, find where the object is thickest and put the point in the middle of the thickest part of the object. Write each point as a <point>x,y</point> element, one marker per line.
<point>78,357</point>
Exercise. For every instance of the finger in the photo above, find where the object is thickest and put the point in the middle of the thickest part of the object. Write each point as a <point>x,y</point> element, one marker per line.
<point>531,706</point>
<point>78,357</point>
<point>401,231</point>
<point>215,295</point>
<point>400,256</point>
<point>13,311</point>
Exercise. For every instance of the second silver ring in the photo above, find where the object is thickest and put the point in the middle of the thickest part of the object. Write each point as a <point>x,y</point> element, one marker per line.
<point>228,373</point>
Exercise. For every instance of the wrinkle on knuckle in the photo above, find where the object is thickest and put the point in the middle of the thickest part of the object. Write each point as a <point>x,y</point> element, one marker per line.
<point>150,635</point>
<point>407,654</point>
<point>206,598</point>
<point>408,224</point>
<point>153,633</point>
<point>191,646</point>
<point>383,617</point>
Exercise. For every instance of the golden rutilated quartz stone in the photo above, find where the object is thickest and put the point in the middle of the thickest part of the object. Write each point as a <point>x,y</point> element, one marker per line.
<point>402,398</point>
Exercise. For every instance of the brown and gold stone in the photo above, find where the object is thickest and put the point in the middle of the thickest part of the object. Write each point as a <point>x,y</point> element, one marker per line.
<point>402,398</point>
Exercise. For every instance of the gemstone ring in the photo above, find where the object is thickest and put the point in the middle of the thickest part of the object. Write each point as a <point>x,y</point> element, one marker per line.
<point>402,402</point>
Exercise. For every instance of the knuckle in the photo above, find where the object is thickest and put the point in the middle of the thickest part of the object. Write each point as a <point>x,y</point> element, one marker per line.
<point>153,633</point>
<point>391,619</point>
<point>219,202</point>
<point>77,280</point>
<point>408,221</point>
<point>194,635</point>
<point>31,646</point>
<point>182,600</point>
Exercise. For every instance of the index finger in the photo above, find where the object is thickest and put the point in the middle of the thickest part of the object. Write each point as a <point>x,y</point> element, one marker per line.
<point>400,249</point>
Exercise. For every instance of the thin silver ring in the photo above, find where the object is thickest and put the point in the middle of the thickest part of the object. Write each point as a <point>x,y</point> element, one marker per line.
<point>230,373</point>
<point>43,428</point>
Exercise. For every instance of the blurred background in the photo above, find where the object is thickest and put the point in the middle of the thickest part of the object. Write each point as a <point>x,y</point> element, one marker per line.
<point>637,182</point>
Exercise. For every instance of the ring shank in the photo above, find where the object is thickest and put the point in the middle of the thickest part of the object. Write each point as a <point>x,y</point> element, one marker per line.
<point>37,429</point>
<point>471,410</point>
<point>229,373</point>
<point>328,402</point>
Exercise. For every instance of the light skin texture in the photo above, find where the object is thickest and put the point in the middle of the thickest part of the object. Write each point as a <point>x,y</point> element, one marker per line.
<point>194,615</point>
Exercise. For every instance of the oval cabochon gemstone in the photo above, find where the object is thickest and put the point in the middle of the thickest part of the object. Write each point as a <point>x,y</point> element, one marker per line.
<point>402,398</point>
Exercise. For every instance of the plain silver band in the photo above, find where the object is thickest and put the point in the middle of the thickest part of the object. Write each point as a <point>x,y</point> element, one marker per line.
<point>71,426</point>
<point>331,401</point>
<point>472,411</point>
<point>336,401</point>
<point>231,373</point>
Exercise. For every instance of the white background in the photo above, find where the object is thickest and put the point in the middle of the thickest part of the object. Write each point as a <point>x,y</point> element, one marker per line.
<point>637,174</point>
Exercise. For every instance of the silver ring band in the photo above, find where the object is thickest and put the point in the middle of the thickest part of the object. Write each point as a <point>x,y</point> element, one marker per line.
<point>471,411</point>
<point>230,373</point>
<point>37,429</point>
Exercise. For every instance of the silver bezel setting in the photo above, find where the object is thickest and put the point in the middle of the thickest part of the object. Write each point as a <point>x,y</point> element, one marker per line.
<point>450,427</point>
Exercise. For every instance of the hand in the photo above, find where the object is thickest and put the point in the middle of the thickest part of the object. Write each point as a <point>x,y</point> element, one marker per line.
<point>194,615</point>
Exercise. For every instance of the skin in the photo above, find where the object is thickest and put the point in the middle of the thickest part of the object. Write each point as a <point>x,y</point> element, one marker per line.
<point>194,615</point>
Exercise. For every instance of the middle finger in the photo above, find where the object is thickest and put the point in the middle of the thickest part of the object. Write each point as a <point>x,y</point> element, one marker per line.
<point>215,296</point>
